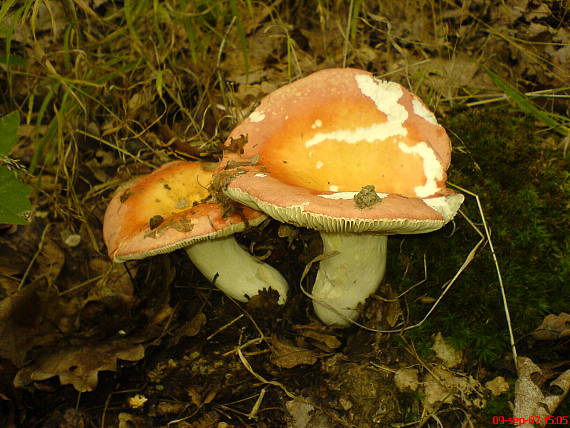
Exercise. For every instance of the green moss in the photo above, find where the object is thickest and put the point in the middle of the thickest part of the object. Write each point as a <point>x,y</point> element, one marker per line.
<point>498,406</point>
<point>523,186</point>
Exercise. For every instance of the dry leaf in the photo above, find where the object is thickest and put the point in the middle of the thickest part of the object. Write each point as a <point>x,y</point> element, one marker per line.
<point>406,379</point>
<point>115,281</point>
<point>553,327</point>
<point>450,356</point>
<point>24,323</point>
<point>70,418</point>
<point>286,356</point>
<point>127,420</point>
<point>305,415</point>
<point>497,386</point>
<point>202,394</point>
<point>316,332</point>
<point>443,386</point>
<point>529,399</point>
<point>79,365</point>
<point>195,325</point>
<point>137,401</point>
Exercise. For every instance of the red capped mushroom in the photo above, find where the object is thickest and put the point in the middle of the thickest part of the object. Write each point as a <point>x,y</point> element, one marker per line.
<point>352,156</point>
<point>171,209</point>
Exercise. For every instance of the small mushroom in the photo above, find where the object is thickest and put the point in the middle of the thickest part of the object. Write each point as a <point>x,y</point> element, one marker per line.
<point>354,157</point>
<point>170,209</point>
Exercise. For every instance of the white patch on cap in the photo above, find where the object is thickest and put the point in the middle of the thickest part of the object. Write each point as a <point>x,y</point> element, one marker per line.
<point>432,168</point>
<point>447,206</point>
<point>348,195</point>
<point>318,123</point>
<point>319,164</point>
<point>257,116</point>
<point>386,96</point>
<point>369,134</point>
<point>260,175</point>
<point>421,110</point>
<point>333,188</point>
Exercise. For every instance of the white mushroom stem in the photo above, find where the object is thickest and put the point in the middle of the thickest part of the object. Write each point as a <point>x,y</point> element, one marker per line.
<point>239,274</point>
<point>348,277</point>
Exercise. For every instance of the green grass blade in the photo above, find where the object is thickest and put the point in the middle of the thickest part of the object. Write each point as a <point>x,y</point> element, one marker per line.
<point>526,105</point>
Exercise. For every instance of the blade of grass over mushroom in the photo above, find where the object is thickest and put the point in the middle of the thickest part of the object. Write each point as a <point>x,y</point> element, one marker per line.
<point>527,106</point>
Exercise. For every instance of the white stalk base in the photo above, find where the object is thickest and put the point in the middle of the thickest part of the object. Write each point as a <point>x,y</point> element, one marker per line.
<point>240,275</point>
<point>346,279</point>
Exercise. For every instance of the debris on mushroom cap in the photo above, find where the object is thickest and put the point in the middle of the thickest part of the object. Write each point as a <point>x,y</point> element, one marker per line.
<point>165,211</point>
<point>321,140</point>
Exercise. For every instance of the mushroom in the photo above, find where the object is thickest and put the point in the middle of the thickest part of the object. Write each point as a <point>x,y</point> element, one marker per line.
<point>352,156</point>
<point>171,209</point>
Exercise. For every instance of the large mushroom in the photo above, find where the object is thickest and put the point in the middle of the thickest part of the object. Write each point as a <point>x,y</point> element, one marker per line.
<point>171,209</point>
<point>352,156</point>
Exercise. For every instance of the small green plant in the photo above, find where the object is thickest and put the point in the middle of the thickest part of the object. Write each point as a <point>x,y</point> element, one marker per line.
<point>14,202</point>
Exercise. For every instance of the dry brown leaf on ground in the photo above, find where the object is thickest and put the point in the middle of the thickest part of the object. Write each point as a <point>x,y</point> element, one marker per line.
<point>24,322</point>
<point>303,414</point>
<point>126,420</point>
<point>70,418</point>
<point>115,281</point>
<point>450,356</point>
<point>12,261</point>
<point>497,386</point>
<point>286,355</point>
<point>530,401</point>
<point>189,329</point>
<point>553,327</point>
<point>319,335</point>
<point>445,386</point>
<point>79,365</point>
<point>406,379</point>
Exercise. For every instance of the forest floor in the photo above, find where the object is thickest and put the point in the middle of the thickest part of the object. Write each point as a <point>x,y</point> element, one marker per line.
<point>107,90</point>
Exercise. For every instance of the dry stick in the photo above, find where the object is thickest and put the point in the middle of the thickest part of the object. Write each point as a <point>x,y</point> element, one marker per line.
<point>261,338</point>
<point>82,284</point>
<point>253,413</point>
<point>222,328</point>
<point>499,276</point>
<point>261,378</point>
<point>395,299</point>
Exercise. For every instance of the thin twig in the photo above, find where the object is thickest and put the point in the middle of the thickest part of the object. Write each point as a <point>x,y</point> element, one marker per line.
<point>222,328</point>
<point>499,276</point>
<point>261,378</point>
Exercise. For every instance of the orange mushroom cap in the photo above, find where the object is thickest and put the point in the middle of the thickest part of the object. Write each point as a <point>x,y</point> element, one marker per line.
<point>341,151</point>
<point>164,211</point>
